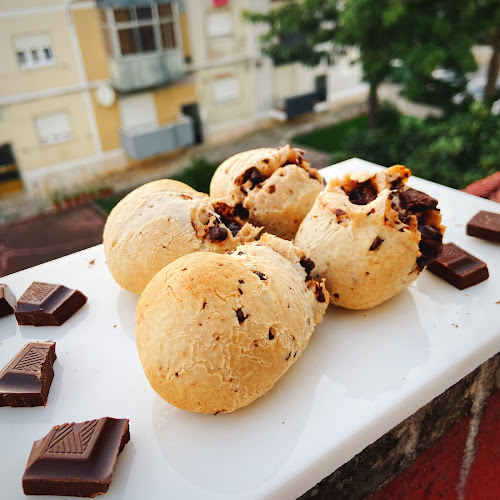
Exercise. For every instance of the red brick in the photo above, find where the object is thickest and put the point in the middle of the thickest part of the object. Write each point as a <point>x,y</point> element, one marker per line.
<point>434,474</point>
<point>484,475</point>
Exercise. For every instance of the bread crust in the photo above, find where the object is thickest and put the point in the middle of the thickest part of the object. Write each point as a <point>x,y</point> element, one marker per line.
<point>364,251</point>
<point>214,332</point>
<point>157,223</point>
<point>280,194</point>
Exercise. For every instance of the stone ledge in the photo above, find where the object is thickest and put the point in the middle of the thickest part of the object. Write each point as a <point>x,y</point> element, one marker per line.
<point>397,450</point>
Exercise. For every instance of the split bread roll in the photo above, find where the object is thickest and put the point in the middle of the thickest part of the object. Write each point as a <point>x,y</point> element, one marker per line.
<point>371,236</point>
<point>161,221</point>
<point>276,186</point>
<point>214,332</point>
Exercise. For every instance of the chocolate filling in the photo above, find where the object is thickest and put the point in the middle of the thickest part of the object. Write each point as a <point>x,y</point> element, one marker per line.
<point>363,193</point>
<point>217,233</point>
<point>416,201</point>
<point>262,276</point>
<point>307,264</point>
<point>227,215</point>
<point>241,317</point>
<point>431,244</point>
<point>320,296</point>
<point>376,243</point>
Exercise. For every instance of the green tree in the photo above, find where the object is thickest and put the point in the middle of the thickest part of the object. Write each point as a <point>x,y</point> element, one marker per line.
<point>488,22</point>
<point>302,31</point>
<point>310,31</point>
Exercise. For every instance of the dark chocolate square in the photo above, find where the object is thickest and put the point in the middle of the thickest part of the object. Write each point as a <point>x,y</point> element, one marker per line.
<point>485,225</point>
<point>45,304</point>
<point>458,267</point>
<point>26,380</point>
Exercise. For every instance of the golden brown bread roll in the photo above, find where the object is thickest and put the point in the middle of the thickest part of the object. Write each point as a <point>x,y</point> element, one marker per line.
<point>214,332</point>
<point>277,187</point>
<point>370,236</point>
<point>161,221</point>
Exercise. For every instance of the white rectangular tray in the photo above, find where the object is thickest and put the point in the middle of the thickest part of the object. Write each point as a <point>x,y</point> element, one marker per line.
<point>362,374</point>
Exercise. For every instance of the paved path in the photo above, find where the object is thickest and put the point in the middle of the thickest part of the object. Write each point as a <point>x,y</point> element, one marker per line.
<point>278,133</point>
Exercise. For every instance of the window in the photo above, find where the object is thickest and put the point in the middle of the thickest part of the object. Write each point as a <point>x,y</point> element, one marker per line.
<point>141,29</point>
<point>138,112</point>
<point>226,89</point>
<point>54,127</point>
<point>220,24</point>
<point>33,51</point>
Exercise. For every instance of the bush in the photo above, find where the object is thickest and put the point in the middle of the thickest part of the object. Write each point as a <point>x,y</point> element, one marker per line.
<point>198,174</point>
<point>454,151</point>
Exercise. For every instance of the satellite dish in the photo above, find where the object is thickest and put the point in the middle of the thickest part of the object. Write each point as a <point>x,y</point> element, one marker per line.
<point>105,95</point>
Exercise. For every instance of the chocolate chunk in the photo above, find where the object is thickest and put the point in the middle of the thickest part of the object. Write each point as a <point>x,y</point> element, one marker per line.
<point>217,233</point>
<point>26,380</point>
<point>262,276</point>
<point>376,243</point>
<point>320,296</point>
<point>416,201</point>
<point>76,459</point>
<point>485,225</point>
<point>405,218</point>
<point>227,214</point>
<point>272,189</point>
<point>7,301</point>
<point>44,304</point>
<point>253,175</point>
<point>431,244</point>
<point>458,267</point>
<point>241,211</point>
<point>339,212</point>
<point>396,184</point>
<point>307,264</point>
<point>270,335</point>
<point>241,317</point>
<point>363,193</point>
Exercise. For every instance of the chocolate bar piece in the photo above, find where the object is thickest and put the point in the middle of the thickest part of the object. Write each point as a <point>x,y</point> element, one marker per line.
<point>44,304</point>
<point>485,225</point>
<point>76,459</point>
<point>26,380</point>
<point>458,267</point>
<point>7,301</point>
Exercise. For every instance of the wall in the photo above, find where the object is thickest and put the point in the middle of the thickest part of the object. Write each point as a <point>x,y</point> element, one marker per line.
<point>91,40</point>
<point>169,100</point>
<point>19,128</point>
<point>13,79</point>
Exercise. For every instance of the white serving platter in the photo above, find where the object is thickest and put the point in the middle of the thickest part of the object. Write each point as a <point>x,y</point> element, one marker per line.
<point>363,373</point>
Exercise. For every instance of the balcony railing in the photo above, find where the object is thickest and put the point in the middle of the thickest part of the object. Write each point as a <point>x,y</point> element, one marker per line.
<point>144,141</point>
<point>143,71</point>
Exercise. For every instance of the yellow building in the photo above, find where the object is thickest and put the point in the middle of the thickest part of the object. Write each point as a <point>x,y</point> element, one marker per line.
<point>86,87</point>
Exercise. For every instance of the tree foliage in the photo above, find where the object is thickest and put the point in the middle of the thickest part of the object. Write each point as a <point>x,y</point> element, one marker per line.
<point>455,151</point>
<point>299,31</point>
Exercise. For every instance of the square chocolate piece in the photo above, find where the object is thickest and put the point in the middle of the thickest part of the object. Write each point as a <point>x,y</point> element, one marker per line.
<point>44,304</point>
<point>26,380</point>
<point>7,301</point>
<point>76,459</point>
<point>485,225</point>
<point>458,267</point>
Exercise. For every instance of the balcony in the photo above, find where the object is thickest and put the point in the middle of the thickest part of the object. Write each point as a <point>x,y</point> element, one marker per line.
<point>142,71</point>
<point>290,107</point>
<point>145,141</point>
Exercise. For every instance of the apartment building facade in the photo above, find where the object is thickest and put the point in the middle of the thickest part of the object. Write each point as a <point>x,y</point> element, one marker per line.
<point>87,87</point>
<point>92,86</point>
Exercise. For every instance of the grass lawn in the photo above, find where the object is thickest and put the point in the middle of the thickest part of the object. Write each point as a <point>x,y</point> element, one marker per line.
<point>197,174</point>
<point>331,138</point>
